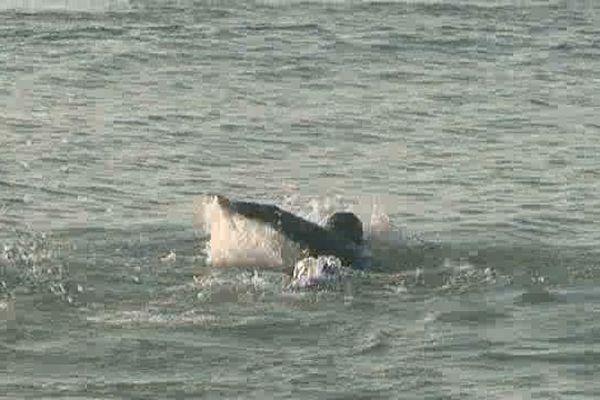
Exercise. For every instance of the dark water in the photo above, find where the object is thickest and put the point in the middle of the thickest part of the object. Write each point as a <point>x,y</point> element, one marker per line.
<point>472,125</point>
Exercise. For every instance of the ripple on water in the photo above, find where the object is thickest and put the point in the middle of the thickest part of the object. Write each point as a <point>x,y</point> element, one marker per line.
<point>539,296</point>
<point>374,343</point>
<point>478,317</point>
<point>586,357</point>
<point>155,317</point>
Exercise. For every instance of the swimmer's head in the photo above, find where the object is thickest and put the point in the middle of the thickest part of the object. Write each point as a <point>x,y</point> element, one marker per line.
<point>347,225</point>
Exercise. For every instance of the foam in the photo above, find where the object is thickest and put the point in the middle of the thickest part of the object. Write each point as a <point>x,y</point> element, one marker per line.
<point>234,240</point>
<point>153,317</point>
<point>65,5</point>
<point>315,272</point>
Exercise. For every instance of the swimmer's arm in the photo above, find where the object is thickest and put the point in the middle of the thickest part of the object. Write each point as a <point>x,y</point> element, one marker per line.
<point>296,228</point>
<point>317,239</point>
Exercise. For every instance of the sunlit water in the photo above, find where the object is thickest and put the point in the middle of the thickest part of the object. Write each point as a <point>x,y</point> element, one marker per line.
<point>466,135</point>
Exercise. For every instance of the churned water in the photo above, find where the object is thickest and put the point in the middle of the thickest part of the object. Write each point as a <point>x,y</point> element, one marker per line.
<point>465,133</point>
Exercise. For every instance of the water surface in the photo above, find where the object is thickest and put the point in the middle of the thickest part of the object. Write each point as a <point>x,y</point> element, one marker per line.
<point>471,125</point>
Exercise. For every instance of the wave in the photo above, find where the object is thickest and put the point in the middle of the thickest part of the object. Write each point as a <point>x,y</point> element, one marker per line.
<point>43,6</point>
<point>154,317</point>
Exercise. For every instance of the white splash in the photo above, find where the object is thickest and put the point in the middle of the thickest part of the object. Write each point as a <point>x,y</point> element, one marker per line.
<point>234,240</point>
<point>169,257</point>
<point>311,272</point>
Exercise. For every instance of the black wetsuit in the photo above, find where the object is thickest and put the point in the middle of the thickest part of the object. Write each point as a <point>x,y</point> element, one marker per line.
<point>314,238</point>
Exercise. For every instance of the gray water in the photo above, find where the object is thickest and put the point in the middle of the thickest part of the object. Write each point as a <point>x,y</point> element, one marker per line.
<point>473,125</point>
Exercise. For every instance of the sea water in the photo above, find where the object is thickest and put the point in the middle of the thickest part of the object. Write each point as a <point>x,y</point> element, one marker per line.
<point>464,133</point>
